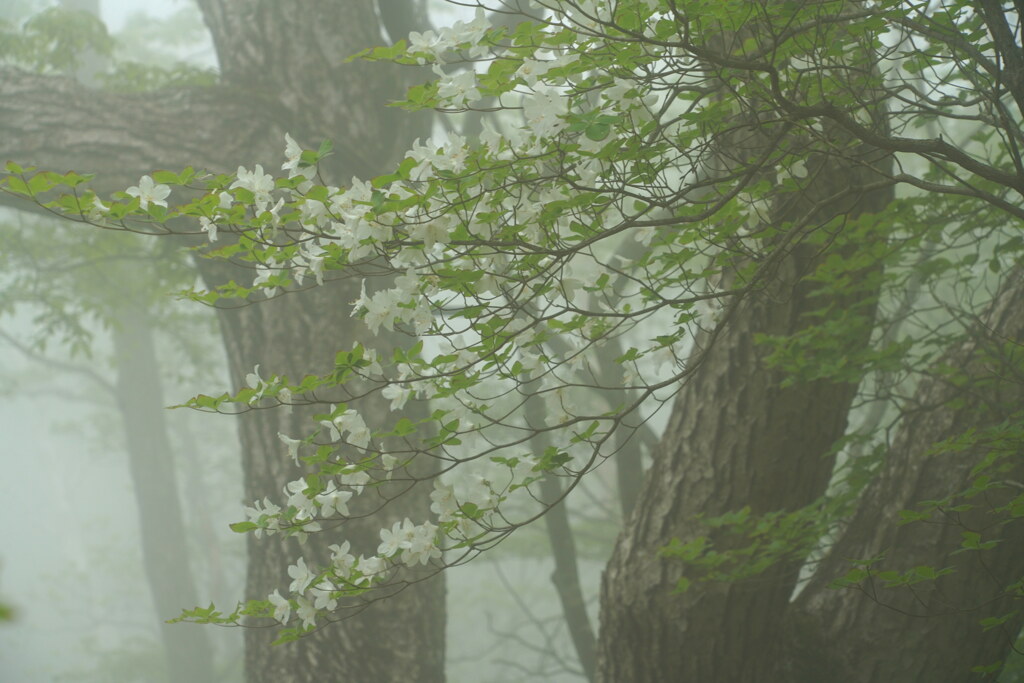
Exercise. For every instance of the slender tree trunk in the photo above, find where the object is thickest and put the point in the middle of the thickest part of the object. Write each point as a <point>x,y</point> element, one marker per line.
<point>151,463</point>
<point>566,576</point>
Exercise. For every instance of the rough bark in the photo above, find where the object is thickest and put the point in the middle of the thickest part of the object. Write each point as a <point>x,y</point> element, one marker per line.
<point>282,68</point>
<point>295,335</point>
<point>736,438</point>
<point>151,464</point>
<point>928,631</point>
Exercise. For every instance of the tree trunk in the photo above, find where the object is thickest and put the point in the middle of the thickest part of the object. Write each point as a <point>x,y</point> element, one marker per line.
<point>283,70</point>
<point>151,463</point>
<point>404,634</point>
<point>738,438</point>
<point>929,631</point>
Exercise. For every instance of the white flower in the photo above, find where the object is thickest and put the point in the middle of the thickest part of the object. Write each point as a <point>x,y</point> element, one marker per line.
<point>266,517</point>
<point>398,394</point>
<point>421,546</point>
<point>471,32</point>
<point>257,182</point>
<point>342,560</point>
<point>297,499</point>
<point>373,369</point>
<point>543,110</point>
<point>430,42</point>
<point>209,227</point>
<point>480,493</point>
<point>293,156</point>
<point>293,446</point>
<point>282,608</point>
<point>254,381</point>
<point>98,210</point>
<point>371,568</point>
<point>443,500</point>
<point>302,576</point>
<point>322,597</point>
<point>355,478</point>
<point>531,69</point>
<point>306,611</point>
<point>263,275</point>
<point>381,308</point>
<point>490,137</point>
<point>149,193</point>
<point>333,501</point>
<point>391,539</point>
<point>352,422</point>
<point>416,543</point>
<point>458,90</point>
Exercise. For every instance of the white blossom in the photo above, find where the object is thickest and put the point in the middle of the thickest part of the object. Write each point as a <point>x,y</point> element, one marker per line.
<point>149,192</point>
<point>333,501</point>
<point>293,446</point>
<point>342,560</point>
<point>257,182</point>
<point>282,608</point>
<point>322,598</point>
<point>293,156</point>
<point>306,611</point>
<point>301,575</point>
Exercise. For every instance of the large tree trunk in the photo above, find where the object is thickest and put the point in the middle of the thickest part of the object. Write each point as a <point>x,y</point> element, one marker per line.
<point>404,636</point>
<point>736,438</point>
<point>283,71</point>
<point>929,631</point>
<point>739,438</point>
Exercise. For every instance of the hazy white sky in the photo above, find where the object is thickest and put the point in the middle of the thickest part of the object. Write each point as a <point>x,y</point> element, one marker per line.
<point>116,11</point>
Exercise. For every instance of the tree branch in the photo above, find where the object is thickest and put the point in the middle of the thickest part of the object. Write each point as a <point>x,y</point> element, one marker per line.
<point>73,368</point>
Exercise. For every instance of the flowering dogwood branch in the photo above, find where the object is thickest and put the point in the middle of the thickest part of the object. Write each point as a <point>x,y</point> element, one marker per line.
<point>607,205</point>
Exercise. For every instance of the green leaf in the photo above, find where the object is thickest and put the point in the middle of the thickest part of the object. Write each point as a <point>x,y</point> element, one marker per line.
<point>165,177</point>
<point>598,131</point>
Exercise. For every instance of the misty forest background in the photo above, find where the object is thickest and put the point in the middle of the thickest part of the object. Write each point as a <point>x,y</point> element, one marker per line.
<point>71,563</point>
<point>94,345</point>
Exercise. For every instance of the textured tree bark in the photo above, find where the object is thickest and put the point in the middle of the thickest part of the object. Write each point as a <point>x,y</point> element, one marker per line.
<point>400,637</point>
<point>738,438</point>
<point>282,70</point>
<point>151,463</point>
<point>928,631</point>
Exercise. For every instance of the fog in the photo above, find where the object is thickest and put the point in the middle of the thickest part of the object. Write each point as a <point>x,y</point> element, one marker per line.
<point>71,562</point>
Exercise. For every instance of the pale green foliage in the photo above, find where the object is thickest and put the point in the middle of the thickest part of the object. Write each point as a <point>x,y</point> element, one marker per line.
<point>54,40</point>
